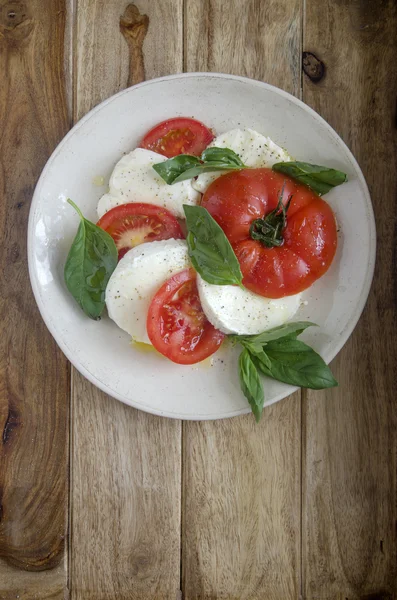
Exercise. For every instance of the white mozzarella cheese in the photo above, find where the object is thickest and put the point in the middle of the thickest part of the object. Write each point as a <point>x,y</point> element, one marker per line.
<point>136,279</point>
<point>254,149</point>
<point>235,310</point>
<point>134,180</point>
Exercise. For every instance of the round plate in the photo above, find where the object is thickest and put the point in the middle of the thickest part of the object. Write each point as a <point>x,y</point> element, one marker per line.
<point>99,349</point>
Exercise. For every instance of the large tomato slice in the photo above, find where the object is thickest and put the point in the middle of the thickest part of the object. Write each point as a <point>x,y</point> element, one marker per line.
<point>176,324</point>
<point>180,135</point>
<point>237,199</point>
<point>137,222</point>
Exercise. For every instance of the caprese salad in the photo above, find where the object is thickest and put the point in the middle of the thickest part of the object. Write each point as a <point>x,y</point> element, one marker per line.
<point>203,237</point>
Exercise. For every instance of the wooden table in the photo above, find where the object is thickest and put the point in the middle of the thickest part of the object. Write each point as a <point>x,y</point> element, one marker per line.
<point>99,501</point>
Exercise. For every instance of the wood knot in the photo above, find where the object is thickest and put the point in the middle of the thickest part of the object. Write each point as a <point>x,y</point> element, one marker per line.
<point>133,25</point>
<point>313,66</point>
<point>15,22</point>
<point>12,422</point>
<point>141,566</point>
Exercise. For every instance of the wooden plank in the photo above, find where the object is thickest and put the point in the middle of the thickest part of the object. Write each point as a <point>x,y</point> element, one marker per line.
<point>33,408</point>
<point>125,500</point>
<point>126,472</point>
<point>349,541</point>
<point>16,583</point>
<point>241,505</point>
<point>241,508</point>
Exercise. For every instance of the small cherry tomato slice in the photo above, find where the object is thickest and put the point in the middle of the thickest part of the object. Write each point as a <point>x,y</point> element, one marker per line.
<point>135,223</point>
<point>176,323</point>
<point>178,136</point>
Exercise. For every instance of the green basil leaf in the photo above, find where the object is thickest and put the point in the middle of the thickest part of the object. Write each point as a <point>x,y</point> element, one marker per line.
<point>296,363</point>
<point>251,384</point>
<point>319,179</point>
<point>89,265</point>
<point>223,155</point>
<point>184,166</point>
<point>257,352</point>
<point>209,249</point>
<point>171,169</point>
<point>289,329</point>
<point>205,168</point>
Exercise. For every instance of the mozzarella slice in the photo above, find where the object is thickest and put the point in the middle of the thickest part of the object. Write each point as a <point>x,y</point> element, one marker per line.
<point>134,180</point>
<point>136,279</point>
<point>234,310</point>
<point>254,149</point>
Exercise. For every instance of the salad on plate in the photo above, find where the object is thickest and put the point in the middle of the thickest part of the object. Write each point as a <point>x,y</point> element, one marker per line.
<point>204,238</point>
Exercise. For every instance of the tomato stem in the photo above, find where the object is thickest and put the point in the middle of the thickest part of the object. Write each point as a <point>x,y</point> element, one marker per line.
<point>269,229</point>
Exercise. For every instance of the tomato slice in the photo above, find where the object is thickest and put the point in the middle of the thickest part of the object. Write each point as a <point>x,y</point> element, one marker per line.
<point>309,242</point>
<point>176,323</point>
<point>135,223</point>
<point>180,135</point>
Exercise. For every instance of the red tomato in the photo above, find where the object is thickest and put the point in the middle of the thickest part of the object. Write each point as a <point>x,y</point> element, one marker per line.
<point>176,324</point>
<point>135,223</point>
<point>236,199</point>
<point>178,136</point>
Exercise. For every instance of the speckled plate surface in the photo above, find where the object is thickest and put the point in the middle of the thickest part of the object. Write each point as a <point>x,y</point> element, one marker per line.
<point>101,351</point>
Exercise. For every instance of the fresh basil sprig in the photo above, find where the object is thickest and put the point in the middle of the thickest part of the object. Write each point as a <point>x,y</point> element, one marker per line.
<point>209,249</point>
<point>282,331</point>
<point>184,166</point>
<point>251,383</point>
<point>222,155</point>
<point>89,265</point>
<point>278,354</point>
<point>296,363</point>
<point>320,179</point>
<point>173,169</point>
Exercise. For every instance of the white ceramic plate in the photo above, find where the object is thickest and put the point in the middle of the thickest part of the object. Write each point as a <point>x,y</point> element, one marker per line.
<point>101,351</point>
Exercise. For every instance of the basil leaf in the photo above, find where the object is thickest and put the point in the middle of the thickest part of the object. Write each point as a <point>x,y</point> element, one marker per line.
<point>273,334</point>
<point>259,353</point>
<point>89,265</point>
<point>209,249</point>
<point>184,166</point>
<point>204,168</point>
<point>294,362</point>
<point>171,169</point>
<point>223,155</point>
<point>319,179</point>
<point>251,384</point>
<point>278,354</point>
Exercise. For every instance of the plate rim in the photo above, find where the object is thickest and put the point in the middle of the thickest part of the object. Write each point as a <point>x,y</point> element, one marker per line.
<point>346,332</point>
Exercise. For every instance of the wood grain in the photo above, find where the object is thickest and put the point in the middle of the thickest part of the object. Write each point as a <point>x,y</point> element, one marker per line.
<point>34,399</point>
<point>349,519</point>
<point>126,475</point>
<point>244,39</point>
<point>241,482</point>
<point>241,510</point>
<point>16,584</point>
<point>125,500</point>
